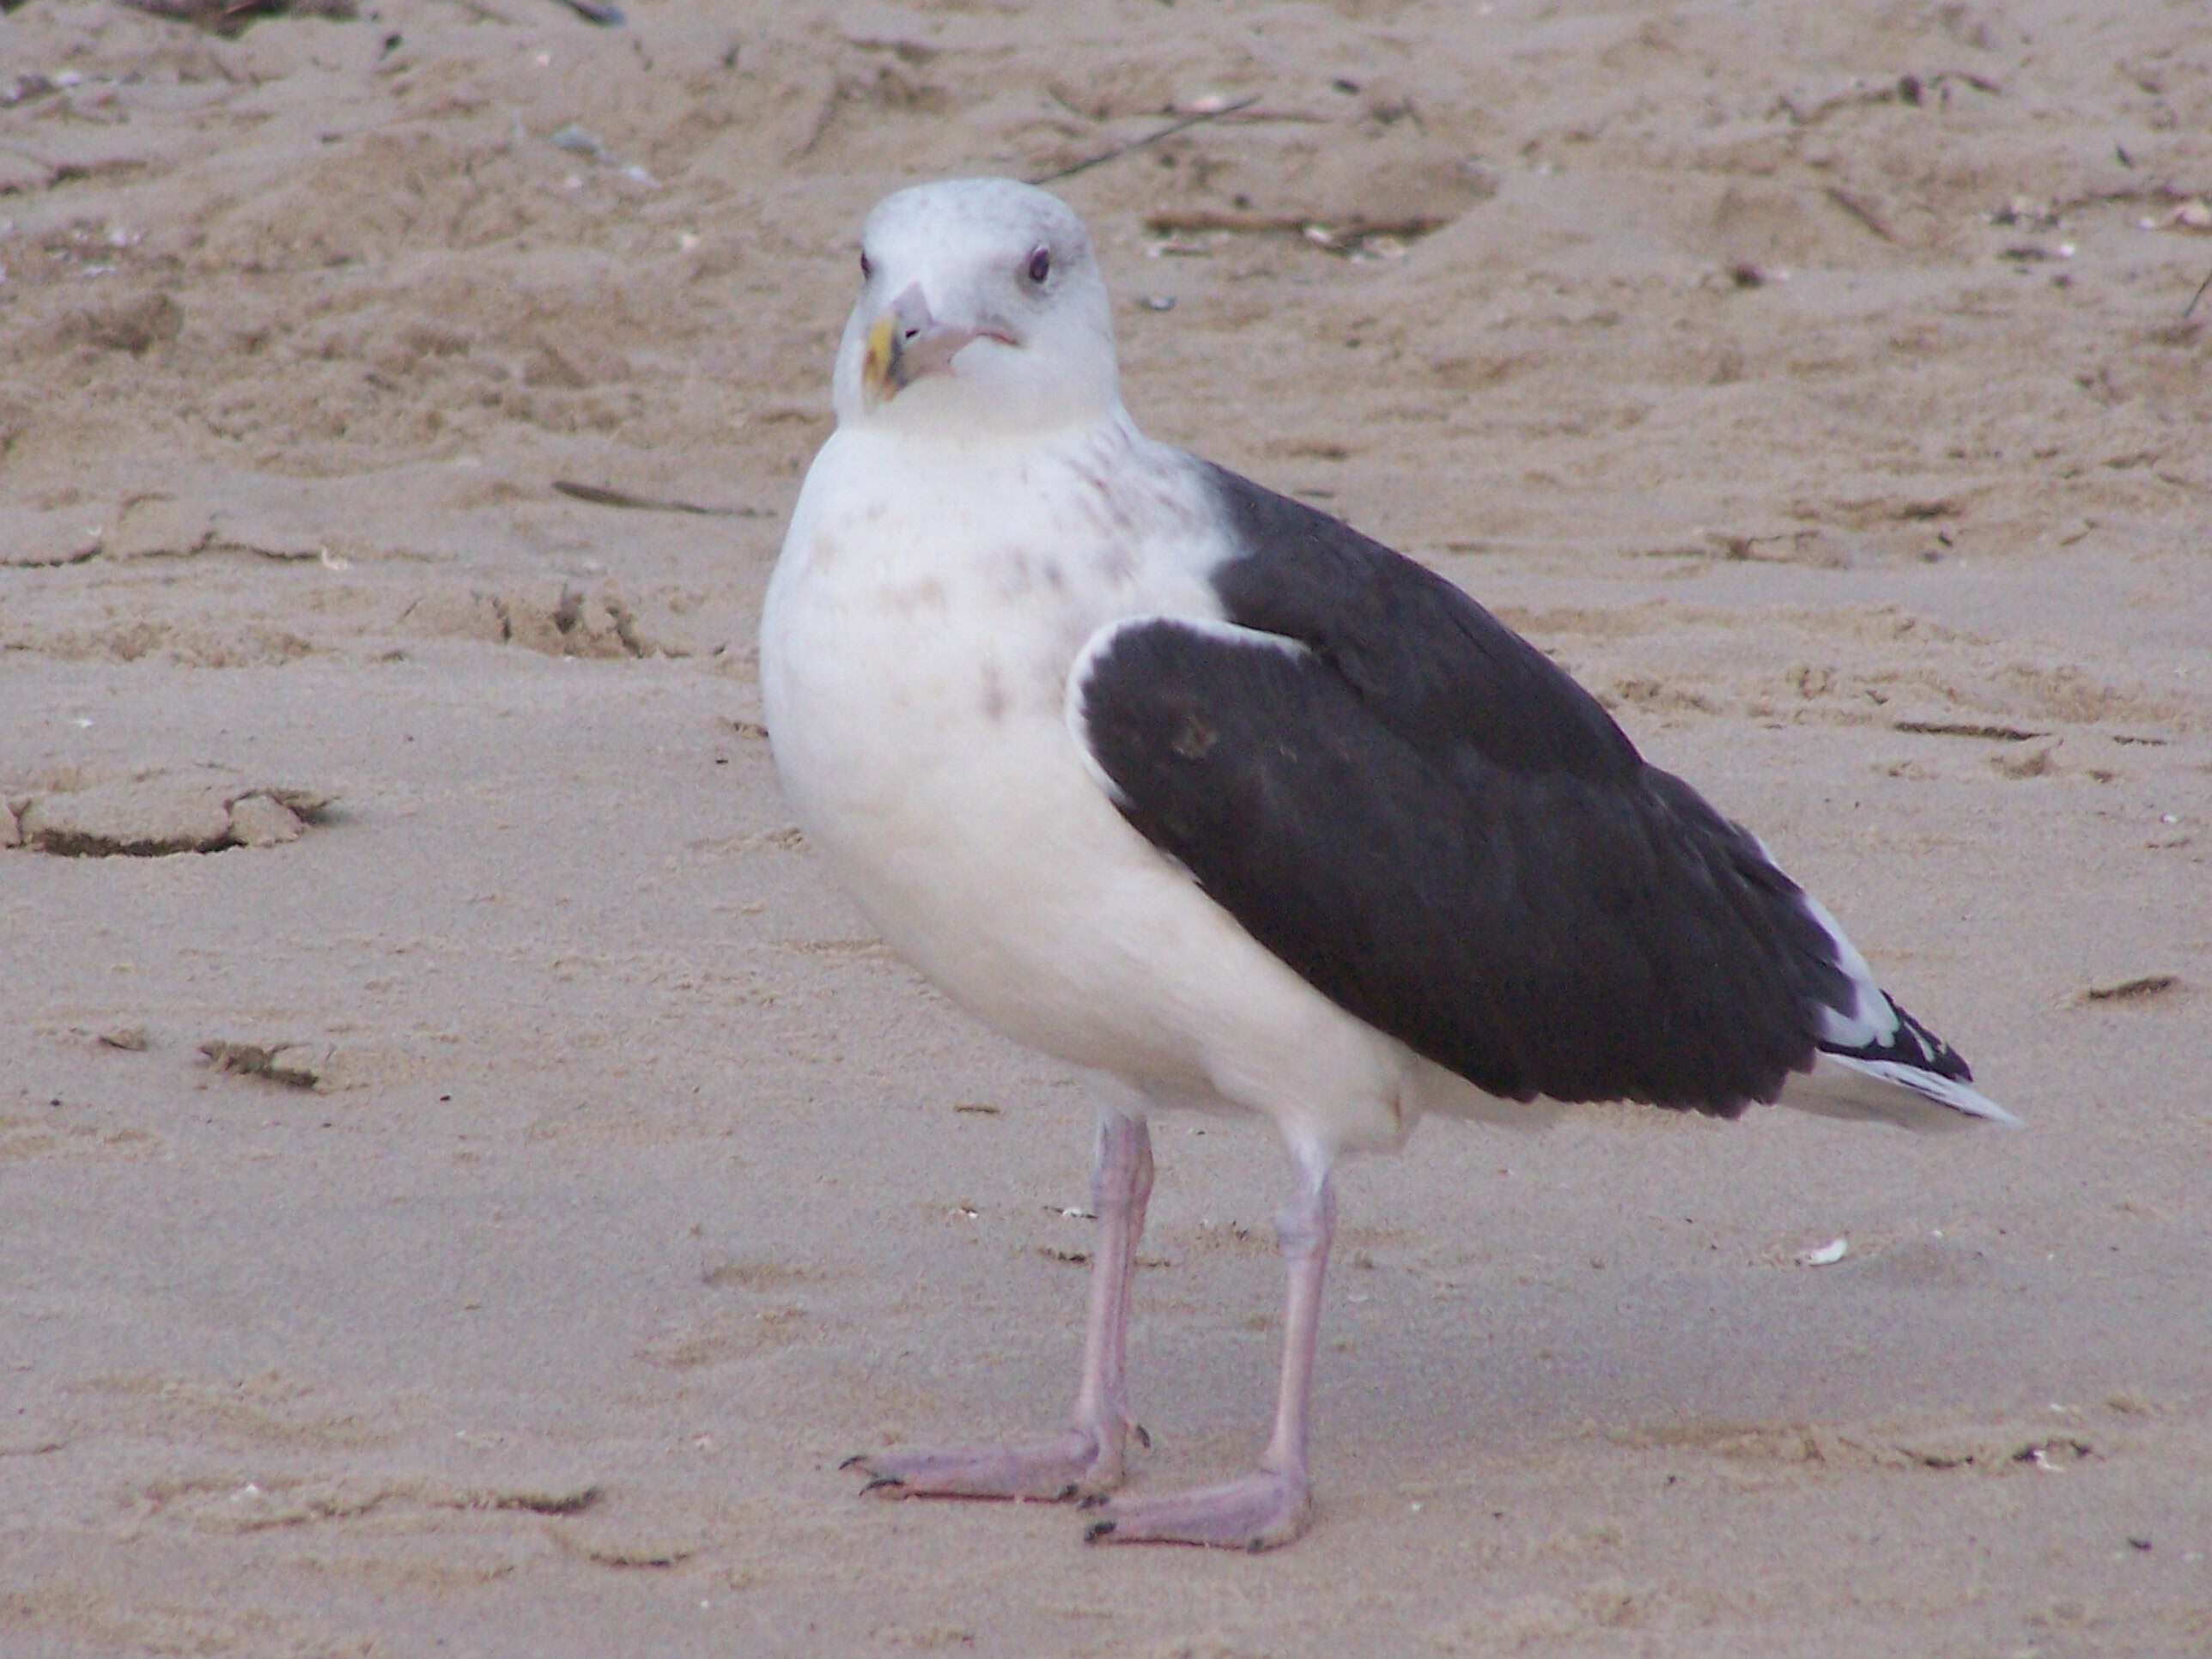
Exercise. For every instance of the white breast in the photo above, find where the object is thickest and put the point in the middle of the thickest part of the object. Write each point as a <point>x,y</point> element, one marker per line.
<point>927,606</point>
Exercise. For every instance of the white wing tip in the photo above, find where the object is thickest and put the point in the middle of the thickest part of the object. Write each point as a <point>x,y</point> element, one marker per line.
<point>1889,1091</point>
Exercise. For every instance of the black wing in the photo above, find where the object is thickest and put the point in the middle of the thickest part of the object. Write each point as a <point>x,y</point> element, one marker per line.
<point>1436,827</point>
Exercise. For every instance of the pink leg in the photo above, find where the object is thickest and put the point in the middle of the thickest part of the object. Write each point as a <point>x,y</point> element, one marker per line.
<point>1272,1506</point>
<point>1085,1459</point>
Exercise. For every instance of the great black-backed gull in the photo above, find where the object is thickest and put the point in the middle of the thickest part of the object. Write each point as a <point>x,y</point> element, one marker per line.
<point>1175,778</point>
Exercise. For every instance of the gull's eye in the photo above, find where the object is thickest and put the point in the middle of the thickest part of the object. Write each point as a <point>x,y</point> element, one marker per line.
<point>1040,266</point>
<point>867,266</point>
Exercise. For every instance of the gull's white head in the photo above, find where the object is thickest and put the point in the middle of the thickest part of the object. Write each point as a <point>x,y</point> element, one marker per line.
<point>982,311</point>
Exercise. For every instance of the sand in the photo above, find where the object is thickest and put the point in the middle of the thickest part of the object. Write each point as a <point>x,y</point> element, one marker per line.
<point>467,1175</point>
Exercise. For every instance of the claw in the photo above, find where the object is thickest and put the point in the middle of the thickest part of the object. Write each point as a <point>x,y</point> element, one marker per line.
<point>1095,1501</point>
<point>857,1457</point>
<point>882,1480</point>
<point>1258,1512</point>
<point>1143,1436</point>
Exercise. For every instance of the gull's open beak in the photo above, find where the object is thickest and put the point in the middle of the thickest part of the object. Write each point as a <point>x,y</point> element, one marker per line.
<point>906,343</point>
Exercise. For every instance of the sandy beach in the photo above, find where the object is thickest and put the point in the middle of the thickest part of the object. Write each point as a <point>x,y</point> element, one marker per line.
<point>467,1175</point>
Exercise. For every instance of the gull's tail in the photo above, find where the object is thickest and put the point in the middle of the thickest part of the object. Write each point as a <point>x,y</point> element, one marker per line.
<point>1876,1061</point>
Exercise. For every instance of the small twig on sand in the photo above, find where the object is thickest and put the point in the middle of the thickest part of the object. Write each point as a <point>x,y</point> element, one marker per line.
<point>1167,131</point>
<point>230,17</point>
<point>1860,211</point>
<point>1968,729</point>
<point>2194,297</point>
<point>1168,221</point>
<point>2128,990</point>
<point>600,495</point>
<point>594,11</point>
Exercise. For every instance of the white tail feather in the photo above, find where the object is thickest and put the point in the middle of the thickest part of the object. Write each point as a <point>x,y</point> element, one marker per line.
<point>1890,1091</point>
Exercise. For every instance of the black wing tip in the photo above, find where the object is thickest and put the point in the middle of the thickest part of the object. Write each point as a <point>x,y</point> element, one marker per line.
<point>1912,1045</point>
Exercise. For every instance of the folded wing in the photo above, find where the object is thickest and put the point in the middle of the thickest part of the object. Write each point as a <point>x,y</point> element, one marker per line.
<point>1431,823</point>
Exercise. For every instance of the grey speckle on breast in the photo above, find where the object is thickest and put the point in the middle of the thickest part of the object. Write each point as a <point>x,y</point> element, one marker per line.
<point>1011,574</point>
<point>995,692</point>
<point>1116,492</point>
<point>1131,493</point>
<point>908,598</point>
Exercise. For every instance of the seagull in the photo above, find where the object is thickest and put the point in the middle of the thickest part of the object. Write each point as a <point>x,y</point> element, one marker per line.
<point>1187,783</point>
